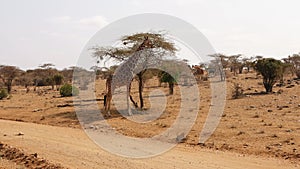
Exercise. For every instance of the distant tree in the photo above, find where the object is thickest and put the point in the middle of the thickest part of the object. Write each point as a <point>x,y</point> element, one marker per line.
<point>49,71</point>
<point>294,62</point>
<point>7,75</point>
<point>235,64</point>
<point>68,74</point>
<point>58,80</point>
<point>47,66</point>
<point>220,63</point>
<point>25,79</point>
<point>248,63</point>
<point>271,70</point>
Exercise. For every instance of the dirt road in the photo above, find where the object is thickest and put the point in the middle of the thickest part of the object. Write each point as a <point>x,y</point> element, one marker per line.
<point>73,149</point>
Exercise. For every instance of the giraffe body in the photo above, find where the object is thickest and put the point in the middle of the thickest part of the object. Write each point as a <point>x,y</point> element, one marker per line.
<point>125,73</point>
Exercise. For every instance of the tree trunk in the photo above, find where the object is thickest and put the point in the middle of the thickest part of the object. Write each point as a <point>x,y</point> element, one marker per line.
<point>140,77</point>
<point>240,70</point>
<point>171,88</point>
<point>8,88</point>
<point>268,86</point>
<point>8,85</point>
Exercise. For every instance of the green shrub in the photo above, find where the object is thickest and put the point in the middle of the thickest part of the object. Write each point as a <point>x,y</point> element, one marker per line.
<point>3,94</point>
<point>271,70</point>
<point>68,90</point>
<point>237,91</point>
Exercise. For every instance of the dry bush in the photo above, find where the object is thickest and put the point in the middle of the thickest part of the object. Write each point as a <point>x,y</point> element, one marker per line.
<point>237,91</point>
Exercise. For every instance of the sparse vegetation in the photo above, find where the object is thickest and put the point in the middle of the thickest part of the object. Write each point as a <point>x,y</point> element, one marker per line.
<point>58,80</point>
<point>3,94</point>
<point>68,90</point>
<point>167,78</point>
<point>271,70</point>
<point>237,91</point>
<point>7,75</point>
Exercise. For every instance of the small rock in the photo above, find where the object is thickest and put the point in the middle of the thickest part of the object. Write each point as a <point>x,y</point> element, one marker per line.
<point>240,133</point>
<point>274,136</point>
<point>270,110</point>
<point>201,144</point>
<point>289,130</point>
<point>42,118</point>
<point>290,86</point>
<point>34,155</point>
<point>280,91</point>
<point>20,134</point>
<point>260,132</point>
<point>37,110</point>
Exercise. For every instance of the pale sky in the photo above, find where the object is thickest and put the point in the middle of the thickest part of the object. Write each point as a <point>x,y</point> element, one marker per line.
<point>55,31</point>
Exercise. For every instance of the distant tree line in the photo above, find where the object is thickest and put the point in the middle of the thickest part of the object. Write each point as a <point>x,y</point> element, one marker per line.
<point>44,75</point>
<point>271,69</point>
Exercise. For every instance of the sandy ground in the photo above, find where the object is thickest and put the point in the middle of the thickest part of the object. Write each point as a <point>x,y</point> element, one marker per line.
<point>257,126</point>
<point>5,164</point>
<point>73,149</point>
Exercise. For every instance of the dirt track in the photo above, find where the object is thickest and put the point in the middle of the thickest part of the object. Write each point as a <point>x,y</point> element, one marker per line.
<point>73,149</point>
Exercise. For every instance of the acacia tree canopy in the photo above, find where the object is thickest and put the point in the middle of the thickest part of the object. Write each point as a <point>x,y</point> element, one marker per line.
<point>7,75</point>
<point>158,44</point>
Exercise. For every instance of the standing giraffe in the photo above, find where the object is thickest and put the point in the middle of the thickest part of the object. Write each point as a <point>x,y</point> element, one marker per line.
<point>124,74</point>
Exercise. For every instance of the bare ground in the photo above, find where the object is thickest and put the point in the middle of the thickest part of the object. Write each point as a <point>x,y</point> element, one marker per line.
<point>258,125</point>
<point>73,149</point>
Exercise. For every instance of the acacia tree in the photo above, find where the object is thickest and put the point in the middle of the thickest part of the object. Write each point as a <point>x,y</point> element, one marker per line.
<point>294,62</point>
<point>50,71</point>
<point>130,44</point>
<point>271,70</point>
<point>248,63</point>
<point>220,63</point>
<point>25,79</point>
<point>58,80</point>
<point>7,75</point>
<point>235,64</point>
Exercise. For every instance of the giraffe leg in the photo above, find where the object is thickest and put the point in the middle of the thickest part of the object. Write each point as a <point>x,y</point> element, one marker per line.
<point>127,98</point>
<point>104,102</point>
<point>108,104</point>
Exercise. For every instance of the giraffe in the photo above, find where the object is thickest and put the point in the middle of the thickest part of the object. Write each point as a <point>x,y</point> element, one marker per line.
<point>123,76</point>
